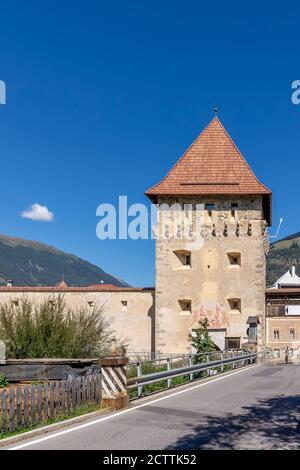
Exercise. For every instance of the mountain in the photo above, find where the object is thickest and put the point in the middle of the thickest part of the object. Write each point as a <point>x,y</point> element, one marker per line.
<point>32,263</point>
<point>283,255</point>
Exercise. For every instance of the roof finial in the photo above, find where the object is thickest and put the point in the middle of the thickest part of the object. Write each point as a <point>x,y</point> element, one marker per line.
<point>216,111</point>
<point>62,284</point>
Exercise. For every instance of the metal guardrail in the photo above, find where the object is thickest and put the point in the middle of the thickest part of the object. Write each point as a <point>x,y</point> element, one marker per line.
<point>137,358</point>
<point>143,380</point>
<point>160,358</point>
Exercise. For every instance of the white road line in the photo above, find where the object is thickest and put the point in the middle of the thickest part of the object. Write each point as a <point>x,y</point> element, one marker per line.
<point>128,410</point>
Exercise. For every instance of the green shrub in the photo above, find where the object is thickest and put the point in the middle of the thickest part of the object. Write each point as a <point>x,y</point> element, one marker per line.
<point>50,330</point>
<point>201,341</point>
<point>3,381</point>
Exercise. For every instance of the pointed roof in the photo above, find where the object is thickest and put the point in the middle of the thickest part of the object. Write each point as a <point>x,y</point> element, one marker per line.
<point>212,165</point>
<point>62,284</point>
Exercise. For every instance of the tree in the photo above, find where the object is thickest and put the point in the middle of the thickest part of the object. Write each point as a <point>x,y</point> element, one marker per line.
<point>49,330</point>
<point>201,341</point>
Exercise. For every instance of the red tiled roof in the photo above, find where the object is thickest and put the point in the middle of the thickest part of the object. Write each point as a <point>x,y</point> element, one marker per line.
<point>212,165</point>
<point>59,288</point>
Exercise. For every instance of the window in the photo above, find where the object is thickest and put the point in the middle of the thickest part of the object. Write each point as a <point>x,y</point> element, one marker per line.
<point>292,333</point>
<point>235,304</point>
<point>184,257</point>
<point>185,306</point>
<point>276,352</point>
<point>234,259</point>
<point>252,332</point>
<point>232,343</point>
<point>210,208</point>
<point>276,334</point>
<point>124,305</point>
<point>234,207</point>
<point>187,260</point>
<point>188,211</point>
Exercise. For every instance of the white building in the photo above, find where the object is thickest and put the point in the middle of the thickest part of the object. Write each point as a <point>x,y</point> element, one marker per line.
<point>289,279</point>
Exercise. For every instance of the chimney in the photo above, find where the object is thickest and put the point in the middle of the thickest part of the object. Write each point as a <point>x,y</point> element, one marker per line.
<point>293,271</point>
<point>9,283</point>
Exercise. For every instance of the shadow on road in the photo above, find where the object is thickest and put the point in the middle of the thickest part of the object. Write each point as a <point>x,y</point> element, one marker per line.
<point>271,424</point>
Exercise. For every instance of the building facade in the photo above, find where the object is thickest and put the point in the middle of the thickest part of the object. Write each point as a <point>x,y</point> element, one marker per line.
<point>222,274</point>
<point>283,317</point>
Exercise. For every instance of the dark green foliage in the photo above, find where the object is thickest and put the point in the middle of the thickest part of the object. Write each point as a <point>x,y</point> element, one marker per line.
<point>52,330</point>
<point>3,381</point>
<point>201,341</point>
<point>31,263</point>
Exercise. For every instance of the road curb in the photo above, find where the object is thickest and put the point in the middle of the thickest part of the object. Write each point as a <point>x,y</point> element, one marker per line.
<point>52,427</point>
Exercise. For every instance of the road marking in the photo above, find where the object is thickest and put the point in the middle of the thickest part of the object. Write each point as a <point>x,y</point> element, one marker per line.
<point>128,410</point>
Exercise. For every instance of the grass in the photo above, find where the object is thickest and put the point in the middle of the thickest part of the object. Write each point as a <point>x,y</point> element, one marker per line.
<point>81,410</point>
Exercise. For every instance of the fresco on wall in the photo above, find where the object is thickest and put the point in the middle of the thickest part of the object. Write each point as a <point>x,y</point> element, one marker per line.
<point>217,318</point>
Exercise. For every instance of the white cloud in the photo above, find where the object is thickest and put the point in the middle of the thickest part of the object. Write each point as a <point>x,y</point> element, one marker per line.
<point>38,212</point>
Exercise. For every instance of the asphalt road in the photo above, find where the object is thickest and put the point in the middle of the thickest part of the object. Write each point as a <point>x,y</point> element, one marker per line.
<point>257,408</point>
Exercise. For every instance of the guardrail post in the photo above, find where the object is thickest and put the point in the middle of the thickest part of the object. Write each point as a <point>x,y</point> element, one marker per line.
<point>169,368</point>
<point>2,353</point>
<point>114,382</point>
<point>207,360</point>
<point>139,373</point>
<point>191,363</point>
<point>222,365</point>
<point>233,364</point>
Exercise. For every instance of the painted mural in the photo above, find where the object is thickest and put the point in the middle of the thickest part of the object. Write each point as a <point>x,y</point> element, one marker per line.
<point>217,317</point>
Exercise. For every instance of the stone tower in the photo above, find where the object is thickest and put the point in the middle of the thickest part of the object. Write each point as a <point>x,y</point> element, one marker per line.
<point>220,276</point>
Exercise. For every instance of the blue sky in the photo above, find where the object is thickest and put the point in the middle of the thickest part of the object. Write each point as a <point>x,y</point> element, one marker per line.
<point>104,97</point>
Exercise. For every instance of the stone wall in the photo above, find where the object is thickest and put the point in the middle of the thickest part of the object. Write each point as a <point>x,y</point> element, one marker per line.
<point>133,324</point>
<point>211,280</point>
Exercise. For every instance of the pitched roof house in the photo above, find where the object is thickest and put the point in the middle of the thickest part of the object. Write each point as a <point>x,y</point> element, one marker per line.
<point>288,280</point>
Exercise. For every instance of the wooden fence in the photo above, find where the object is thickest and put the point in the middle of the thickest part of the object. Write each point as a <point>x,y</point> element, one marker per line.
<point>23,406</point>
